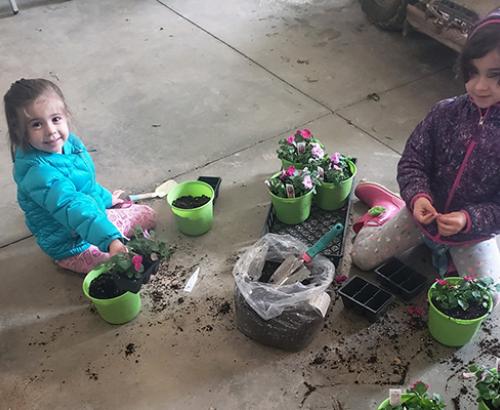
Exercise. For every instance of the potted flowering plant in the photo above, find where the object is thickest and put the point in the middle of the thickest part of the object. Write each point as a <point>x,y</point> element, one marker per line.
<point>415,398</point>
<point>458,306</point>
<point>300,150</point>
<point>291,193</point>
<point>487,386</point>
<point>113,286</point>
<point>337,173</point>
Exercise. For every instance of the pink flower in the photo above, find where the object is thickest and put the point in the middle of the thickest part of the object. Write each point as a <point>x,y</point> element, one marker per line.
<point>307,182</point>
<point>335,158</point>
<point>306,134</point>
<point>137,262</point>
<point>317,151</point>
<point>414,385</point>
<point>441,282</point>
<point>291,139</point>
<point>340,279</point>
<point>415,311</point>
<point>470,278</point>
<point>290,172</point>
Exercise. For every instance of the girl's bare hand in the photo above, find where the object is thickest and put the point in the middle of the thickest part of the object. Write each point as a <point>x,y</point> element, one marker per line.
<point>117,246</point>
<point>452,223</point>
<point>423,211</point>
<point>116,197</point>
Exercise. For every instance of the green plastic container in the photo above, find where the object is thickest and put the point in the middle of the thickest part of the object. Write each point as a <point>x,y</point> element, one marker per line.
<point>385,403</point>
<point>450,331</point>
<point>116,311</point>
<point>292,211</point>
<point>332,196</point>
<point>196,221</point>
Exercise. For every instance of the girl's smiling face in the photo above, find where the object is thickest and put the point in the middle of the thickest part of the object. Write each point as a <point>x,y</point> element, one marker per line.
<point>46,123</point>
<point>483,86</point>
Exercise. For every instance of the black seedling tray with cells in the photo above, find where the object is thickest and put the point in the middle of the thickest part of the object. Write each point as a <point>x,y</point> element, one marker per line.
<point>365,298</point>
<point>214,182</point>
<point>401,279</point>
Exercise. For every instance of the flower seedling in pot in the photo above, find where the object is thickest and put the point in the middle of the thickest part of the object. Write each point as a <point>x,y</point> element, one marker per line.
<point>487,386</point>
<point>300,149</point>
<point>336,168</point>
<point>293,182</point>
<point>129,271</point>
<point>415,398</point>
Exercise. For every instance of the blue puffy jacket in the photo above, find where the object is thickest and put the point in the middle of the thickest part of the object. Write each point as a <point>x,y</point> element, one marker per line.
<point>64,206</point>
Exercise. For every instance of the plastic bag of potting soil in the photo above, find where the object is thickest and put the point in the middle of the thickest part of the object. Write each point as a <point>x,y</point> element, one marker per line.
<point>269,300</point>
<point>282,316</point>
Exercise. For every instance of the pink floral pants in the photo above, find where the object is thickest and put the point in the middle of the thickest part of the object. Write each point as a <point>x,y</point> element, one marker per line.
<point>125,219</point>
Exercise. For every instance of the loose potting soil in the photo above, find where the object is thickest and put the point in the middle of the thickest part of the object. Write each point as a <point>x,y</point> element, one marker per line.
<point>190,202</point>
<point>104,287</point>
<point>473,312</point>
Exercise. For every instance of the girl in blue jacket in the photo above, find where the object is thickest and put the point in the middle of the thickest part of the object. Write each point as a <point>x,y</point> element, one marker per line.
<point>76,221</point>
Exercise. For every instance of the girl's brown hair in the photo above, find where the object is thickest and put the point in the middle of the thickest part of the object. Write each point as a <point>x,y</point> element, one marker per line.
<point>20,94</point>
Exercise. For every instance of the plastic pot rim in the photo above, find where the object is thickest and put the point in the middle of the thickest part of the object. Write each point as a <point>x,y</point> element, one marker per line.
<point>458,321</point>
<point>106,301</point>
<point>196,182</point>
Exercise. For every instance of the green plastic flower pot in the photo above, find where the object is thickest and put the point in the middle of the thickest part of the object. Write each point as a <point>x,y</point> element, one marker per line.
<point>448,330</point>
<point>385,403</point>
<point>332,196</point>
<point>482,406</point>
<point>196,221</point>
<point>285,164</point>
<point>292,211</point>
<point>116,311</point>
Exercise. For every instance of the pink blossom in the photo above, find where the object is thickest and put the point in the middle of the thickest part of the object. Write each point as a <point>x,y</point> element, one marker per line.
<point>414,385</point>
<point>307,182</point>
<point>470,278</point>
<point>441,282</point>
<point>306,134</point>
<point>340,279</point>
<point>137,262</point>
<point>317,151</point>
<point>290,172</point>
<point>415,311</point>
<point>335,158</point>
<point>291,139</point>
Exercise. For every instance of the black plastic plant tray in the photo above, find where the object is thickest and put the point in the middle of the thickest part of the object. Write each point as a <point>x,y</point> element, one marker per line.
<point>401,279</point>
<point>365,298</point>
<point>214,182</point>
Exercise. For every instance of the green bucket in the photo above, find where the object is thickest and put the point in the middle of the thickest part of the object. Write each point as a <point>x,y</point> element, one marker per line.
<point>116,311</point>
<point>196,221</point>
<point>404,397</point>
<point>292,211</point>
<point>450,331</point>
<point>332,196</point>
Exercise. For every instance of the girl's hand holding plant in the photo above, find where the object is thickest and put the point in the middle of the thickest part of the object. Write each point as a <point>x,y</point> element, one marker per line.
<point>116,247</point>
<point>116,197</point>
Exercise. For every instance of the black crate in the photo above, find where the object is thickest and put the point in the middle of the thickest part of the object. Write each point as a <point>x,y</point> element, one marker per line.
<point>401,279</point>
<point>365,298</point>
<point>214,182</point>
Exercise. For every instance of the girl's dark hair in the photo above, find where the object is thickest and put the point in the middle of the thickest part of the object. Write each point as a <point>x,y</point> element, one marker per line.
<point>20,94</point>
<point>479,43</point>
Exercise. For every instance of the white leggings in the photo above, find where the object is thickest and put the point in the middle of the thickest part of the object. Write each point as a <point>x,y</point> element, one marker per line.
<point>375,244</point>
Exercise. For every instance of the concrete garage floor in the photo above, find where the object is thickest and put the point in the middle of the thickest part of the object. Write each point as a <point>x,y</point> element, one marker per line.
<point>178,89</point>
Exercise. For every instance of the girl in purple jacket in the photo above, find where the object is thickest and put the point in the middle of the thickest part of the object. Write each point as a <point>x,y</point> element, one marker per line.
<point>448,175</point>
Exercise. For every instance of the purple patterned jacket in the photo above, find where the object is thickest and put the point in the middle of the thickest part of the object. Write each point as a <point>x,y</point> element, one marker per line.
<point>453,158</point>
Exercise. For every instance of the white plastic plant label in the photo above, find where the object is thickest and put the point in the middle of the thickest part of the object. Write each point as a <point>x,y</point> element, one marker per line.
<point>395,397</point>
<point>321,302</point>
<point>301,147</point>
<point>290,191</point>
<point>192,280</point>
<point>498,365</point>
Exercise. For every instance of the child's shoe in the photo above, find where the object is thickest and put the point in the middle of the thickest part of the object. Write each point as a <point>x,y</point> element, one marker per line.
<point>383,204</point>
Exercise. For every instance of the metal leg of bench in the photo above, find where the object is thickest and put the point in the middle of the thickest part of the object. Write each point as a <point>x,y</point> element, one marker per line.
<point>13,4</point>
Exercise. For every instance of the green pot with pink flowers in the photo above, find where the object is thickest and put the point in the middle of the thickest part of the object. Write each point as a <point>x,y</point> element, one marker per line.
<point>337,173</point>
<point>291,192</point>
<point>458,306</point>
<point>416,397</point>
<point>300,150</point>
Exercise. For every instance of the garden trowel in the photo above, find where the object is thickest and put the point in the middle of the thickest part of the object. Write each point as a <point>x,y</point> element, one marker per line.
<point>292,263</point>
<point>159,192</point>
